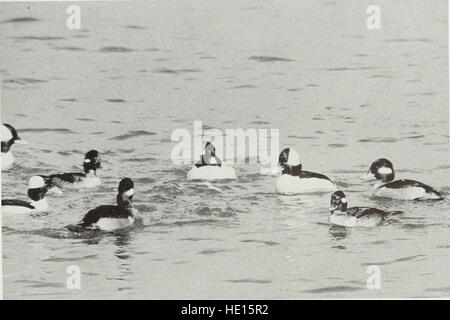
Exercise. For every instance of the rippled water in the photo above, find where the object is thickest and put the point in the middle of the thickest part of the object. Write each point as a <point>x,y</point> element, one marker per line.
<point>341,95</point>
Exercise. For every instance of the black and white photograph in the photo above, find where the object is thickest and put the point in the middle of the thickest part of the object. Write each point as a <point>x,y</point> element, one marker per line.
<point>225,150</point>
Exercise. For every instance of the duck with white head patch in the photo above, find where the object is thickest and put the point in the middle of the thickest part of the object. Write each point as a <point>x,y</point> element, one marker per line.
<point>355,216</point>
<point>209,158</point>
<point>9,137</point>
<point>87,179</point>
<point>111,217</point>
<point>37,189</point>
<point>404,189</point>
<point>210,167</point>
<point>294,180</point>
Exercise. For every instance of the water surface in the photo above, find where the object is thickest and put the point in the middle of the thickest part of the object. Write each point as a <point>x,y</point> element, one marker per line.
<point>341,95</point>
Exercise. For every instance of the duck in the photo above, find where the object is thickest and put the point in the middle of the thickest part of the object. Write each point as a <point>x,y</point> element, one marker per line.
<point>383,171</point>
<point>111,217</point>
<point>87,179</point>
<point>210,167</point>
<point>9,136</point>
<point>355,216</point>
<point>294,179</point>
<point>37,189</point>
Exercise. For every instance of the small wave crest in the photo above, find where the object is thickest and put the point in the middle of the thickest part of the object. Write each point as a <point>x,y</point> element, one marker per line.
<point>133,134</point>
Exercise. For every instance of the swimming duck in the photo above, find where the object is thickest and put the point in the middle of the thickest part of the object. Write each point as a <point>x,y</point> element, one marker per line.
<point>295,180</point>
<point>37,189</point>
<point>87,179</point>
<point>404,189</point>
<point>8,138</point>
<point>210,167</point>
<point>355,216</point>
<point>111,217</point>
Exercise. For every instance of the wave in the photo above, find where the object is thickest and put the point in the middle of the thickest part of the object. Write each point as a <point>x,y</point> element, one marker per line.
<point>175,72</point>
<point>333,289</point>
<point>68,48</point>
<point>116,100</point>
<point>245,86</point>
<point>249,280</point>
<point>269,59</point>
<point>302,137</point>
<point>56,130</point>
<point>20,20</point>
<point>133,134</point>
<point>259,122</point>
<point>24,81</point>
<point>409,258</point>
<point>407,40</point>
<point>134,27</point>
<point>214,251</point>
<point>220,212</point>
<point>39,38</point>
<point>378,140</point>
<point>115,49</point>
<point>267,243</point>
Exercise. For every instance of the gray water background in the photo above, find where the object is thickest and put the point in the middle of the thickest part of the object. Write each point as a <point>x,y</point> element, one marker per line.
<point>340,94</point>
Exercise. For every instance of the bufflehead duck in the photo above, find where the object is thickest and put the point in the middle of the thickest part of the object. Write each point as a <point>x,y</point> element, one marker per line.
<point>9,137</point>
<point>210,167</point>
<point>209,158</point>
<point>37,189</point>
<point>386,186</point>
<point>355,216</point>
<point>110,217</point>
<point>87,179</point>
<point>294,180</point>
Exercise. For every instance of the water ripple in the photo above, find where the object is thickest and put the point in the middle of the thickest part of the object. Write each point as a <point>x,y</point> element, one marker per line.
<point>133,134</point>
<point>20,20</point>
<point>269,59</point>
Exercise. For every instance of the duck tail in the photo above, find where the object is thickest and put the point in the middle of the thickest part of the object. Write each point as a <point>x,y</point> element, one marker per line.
<point>440,196</point>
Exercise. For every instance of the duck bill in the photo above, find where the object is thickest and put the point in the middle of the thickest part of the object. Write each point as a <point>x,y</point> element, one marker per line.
<point>368,176</point>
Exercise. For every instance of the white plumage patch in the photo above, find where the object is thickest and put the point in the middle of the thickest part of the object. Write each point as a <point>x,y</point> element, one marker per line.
<point>6,134</point>
<point>129,193</point>
<point>36,182</point>
<point>111,224</point>
<point>212,160</point>
<point>7,160</point>
<point>211,173</point>
<point>343,220</point>
<point>287,184</point>
<point>40,206</point>
<point>384,170</point>
<point>410,193</point>
<point>16,210</point>
<point>293,158</point>
<point>350,221</point>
